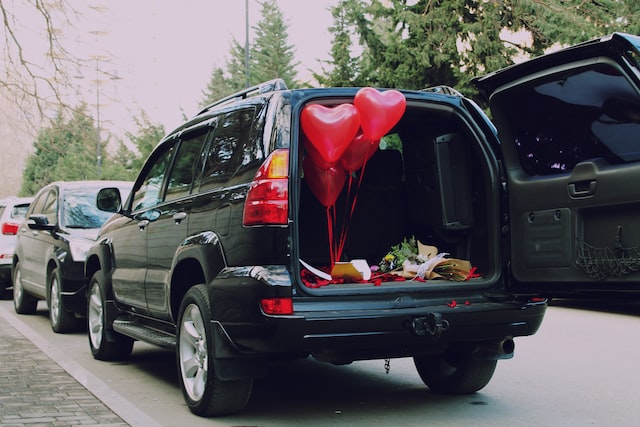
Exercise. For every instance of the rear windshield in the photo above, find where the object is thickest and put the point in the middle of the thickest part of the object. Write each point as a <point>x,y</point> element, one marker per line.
<point>560,121</point>
<point>19,211</point>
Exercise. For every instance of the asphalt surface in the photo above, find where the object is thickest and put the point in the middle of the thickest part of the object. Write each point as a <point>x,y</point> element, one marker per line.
<point>39,387</point>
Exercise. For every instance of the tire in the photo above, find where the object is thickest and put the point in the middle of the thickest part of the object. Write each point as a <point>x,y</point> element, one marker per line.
<point>105,343</point>
<point>61,320</point>
<point>455,373</point>
<point>205,394</point>
<point>23,303</point>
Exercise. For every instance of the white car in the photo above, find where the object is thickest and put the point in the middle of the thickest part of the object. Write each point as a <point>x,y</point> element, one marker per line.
<point>12,212</point>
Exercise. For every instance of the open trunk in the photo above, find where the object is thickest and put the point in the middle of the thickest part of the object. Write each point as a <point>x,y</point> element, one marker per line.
<point>432,178</point>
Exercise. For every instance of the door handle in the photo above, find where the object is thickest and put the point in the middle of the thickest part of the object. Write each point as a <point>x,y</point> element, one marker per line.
<point>143,224</point>
<point>179,216</point>
<point>582,188</point>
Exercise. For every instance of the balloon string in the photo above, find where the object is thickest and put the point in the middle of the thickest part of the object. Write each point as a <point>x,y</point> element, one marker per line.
<point>347,221</point>
<point>330,235</point>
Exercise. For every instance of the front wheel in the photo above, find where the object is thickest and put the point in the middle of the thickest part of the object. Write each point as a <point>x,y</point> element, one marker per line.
<point>23,303</point>
<point>105,344</point>
<point>457,373</point>
<point>61,320</point>
<point>205,394</point>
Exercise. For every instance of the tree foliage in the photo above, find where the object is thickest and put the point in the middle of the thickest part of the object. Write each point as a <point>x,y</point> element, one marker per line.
<point>420,43</point>
<point>67,150</point>
<point>270,56</point>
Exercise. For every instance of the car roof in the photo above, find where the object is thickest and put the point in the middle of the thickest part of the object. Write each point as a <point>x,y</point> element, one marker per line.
<point>89,184</point>
<point>15,200</point>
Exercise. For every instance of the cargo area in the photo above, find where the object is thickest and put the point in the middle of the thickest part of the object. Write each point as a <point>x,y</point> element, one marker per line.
<point>429,179</point>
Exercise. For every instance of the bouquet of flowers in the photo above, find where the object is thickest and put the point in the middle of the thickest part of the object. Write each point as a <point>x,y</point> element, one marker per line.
<point>414,260</point>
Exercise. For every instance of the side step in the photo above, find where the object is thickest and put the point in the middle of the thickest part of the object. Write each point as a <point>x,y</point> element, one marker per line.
<point>144,333</point>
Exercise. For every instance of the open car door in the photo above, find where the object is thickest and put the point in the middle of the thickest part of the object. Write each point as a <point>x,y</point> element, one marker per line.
<point>569,126</point>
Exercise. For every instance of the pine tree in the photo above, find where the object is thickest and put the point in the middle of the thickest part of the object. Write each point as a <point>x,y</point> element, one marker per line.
<point>431,42</point>
<point>66,150</point>
<point>271,56</point>
<point>344,66</point>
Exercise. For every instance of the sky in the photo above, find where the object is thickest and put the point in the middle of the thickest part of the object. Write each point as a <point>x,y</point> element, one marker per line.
<point>163,52</point>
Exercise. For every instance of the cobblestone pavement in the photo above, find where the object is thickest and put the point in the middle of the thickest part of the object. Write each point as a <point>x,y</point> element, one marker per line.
<point>36,391</point>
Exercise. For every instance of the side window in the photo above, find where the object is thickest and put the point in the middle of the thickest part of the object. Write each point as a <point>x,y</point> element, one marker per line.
<point>187,165</point>
<point>574,116</point>
<point>226,151</point>
<point>50,208</point>
<point>38,204</point>
<point>150,191</point>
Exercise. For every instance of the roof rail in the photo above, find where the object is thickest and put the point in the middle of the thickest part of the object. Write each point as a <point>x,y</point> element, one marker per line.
<point>446,90</point>
<point>265,87</point>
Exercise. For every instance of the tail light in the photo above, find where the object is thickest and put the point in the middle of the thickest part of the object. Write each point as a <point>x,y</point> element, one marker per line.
<point>268,197</point>
<point>281,306</point>
<point>10,228</point>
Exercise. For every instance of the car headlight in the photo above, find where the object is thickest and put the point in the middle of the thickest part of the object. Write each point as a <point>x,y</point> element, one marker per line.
<point>79,249</point>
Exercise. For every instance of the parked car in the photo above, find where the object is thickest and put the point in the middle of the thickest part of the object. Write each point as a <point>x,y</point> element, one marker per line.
<point>226,250</point>
<point>12,212</point>
<point>48,264</point>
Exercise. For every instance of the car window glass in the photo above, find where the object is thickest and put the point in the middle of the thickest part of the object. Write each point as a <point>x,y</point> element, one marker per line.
<point>575,116</point>
<point>224,156</point>
<point>79,209</point>
<point>50,208</point>
<point>150,191</point>
<point>18,211</point>
<point>186,166</point>
<point>38,204</point>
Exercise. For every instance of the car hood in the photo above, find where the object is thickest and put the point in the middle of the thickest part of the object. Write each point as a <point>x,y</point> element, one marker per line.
<point>622,48</point>
<point>89,234</point>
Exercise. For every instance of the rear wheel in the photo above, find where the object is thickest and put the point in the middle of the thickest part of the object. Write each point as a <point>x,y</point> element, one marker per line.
<point>105,344</point>
<point>456,373</point>
<point>205,394</point>
<point>61,320</point>
<point>23,303</point>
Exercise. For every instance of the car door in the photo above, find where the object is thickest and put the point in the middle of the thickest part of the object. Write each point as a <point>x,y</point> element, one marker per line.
<point>129,242</point>
<point>36,245</point>
<point>569,125</point>
<point>168,231</point>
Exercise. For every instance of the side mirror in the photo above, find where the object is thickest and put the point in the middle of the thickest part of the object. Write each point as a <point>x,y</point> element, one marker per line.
<point>109,199</point>
<point>40,222</point>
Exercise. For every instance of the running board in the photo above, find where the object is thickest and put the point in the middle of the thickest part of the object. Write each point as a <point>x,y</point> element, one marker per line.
<point>143,333</point>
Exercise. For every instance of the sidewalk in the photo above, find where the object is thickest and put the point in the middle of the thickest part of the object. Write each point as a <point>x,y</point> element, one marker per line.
<point>40,389</point>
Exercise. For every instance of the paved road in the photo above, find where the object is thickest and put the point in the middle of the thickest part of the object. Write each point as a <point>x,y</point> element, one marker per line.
<point>40,386</point>
<point>580,369</point>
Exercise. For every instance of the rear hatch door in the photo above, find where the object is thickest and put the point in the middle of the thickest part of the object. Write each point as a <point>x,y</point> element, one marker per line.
<point>569,126</point>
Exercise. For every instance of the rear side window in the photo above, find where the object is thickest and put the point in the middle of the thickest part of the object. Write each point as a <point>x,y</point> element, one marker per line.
<point>231,148</point>
<point>558,122</point>
<point>187,165</point>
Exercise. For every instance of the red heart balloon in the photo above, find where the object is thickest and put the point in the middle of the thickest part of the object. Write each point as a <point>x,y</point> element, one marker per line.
<point>325,184</point>
<point>358,152</point>
<point>379,111</point>
<point>314,154</point>
<point>330,130</point>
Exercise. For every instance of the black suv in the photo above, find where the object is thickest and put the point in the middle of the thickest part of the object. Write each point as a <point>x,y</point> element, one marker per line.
<point>224,249</point>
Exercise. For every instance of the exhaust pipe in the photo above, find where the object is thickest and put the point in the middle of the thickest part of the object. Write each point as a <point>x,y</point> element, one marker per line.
<point>495,350</point>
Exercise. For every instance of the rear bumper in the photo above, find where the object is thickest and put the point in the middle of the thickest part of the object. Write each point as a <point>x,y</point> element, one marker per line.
<point>335,335</point>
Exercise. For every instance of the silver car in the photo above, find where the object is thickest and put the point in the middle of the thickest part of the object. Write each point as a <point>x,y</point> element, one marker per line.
<point>12,213</point>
